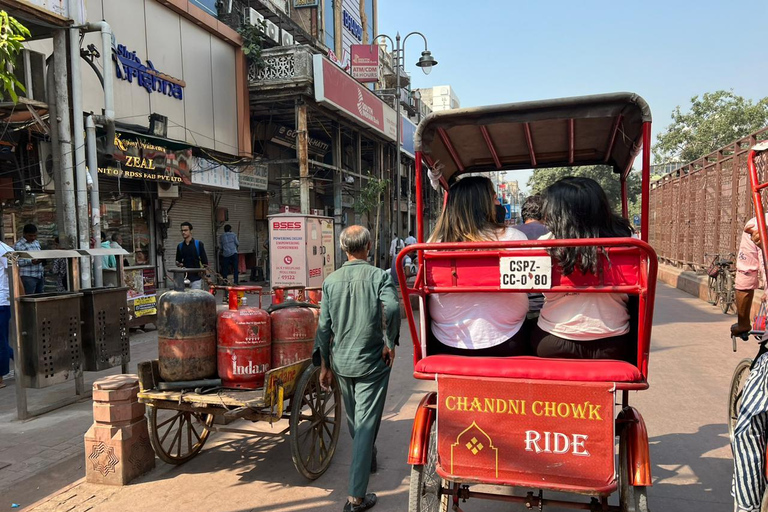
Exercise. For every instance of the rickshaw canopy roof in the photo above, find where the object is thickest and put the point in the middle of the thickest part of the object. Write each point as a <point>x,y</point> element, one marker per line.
<point>602,129</point>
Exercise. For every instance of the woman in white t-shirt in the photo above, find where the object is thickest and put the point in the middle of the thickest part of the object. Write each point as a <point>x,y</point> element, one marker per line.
<point>477,324</point>
<point>581,325</point>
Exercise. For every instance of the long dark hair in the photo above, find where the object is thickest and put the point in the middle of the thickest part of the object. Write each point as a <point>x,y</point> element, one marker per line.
<point>470,215</point>
<point>577,207</point>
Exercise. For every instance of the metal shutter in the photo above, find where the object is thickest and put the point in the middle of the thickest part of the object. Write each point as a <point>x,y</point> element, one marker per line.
<point>241,218</point>
<point>193,207</point>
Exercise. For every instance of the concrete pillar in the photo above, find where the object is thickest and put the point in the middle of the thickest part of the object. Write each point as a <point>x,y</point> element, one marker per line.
<point>117,448</point>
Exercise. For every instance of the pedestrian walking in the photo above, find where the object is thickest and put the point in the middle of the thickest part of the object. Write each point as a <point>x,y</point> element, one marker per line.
<point>410,239</point>
<point>361,355</point>
<point>229,244</point>
<point>107,261</point>
<point>6,352</point>
<point>31,271</point>
<point>395,247</point>
<point>191,254</point>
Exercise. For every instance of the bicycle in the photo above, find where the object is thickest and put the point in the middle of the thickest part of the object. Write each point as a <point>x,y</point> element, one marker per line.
<point>739,379</point>
<point>720,282</point>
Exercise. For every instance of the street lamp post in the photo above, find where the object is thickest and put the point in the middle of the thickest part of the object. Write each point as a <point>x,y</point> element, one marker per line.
<point>426,61</point>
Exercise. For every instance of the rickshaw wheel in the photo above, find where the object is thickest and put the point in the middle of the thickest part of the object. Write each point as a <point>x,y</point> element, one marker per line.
<point>738,381</point>
<point>173,434</point>
<point>631,498</point>
<point>315,424</point>
<point>424,494</point>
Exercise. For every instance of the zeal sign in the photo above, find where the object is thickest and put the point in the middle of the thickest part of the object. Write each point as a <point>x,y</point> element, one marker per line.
<point>526,432</point>
<point>339,91</point>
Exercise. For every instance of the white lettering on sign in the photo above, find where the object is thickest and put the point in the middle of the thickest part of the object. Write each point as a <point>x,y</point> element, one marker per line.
<point>525,273</point>
<point>556,442</point>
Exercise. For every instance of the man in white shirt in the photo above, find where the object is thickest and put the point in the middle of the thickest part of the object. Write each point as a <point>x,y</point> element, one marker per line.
<point>6,352</point>
<point>410,239</point>
<point>395,247</point>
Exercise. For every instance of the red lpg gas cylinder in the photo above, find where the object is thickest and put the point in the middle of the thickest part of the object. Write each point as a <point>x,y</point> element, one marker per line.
<point>245,343</point>
<point>314,296</point>
<point>282,293</point>
<point>293,332</point>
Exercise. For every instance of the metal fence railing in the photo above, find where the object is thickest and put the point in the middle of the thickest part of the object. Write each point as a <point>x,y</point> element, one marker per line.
<point>700,209</point>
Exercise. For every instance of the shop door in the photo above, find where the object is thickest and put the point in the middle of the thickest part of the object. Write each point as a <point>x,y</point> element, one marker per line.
<point>196,208</point>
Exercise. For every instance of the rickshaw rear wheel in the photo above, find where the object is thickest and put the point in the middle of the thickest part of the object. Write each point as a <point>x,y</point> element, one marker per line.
<point>631,498</point>
<point>315,423</point>
<point>738,381</point>
<point>424,494</point>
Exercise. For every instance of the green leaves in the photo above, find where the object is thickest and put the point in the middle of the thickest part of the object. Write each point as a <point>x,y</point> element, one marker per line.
<point>253,42</point>
<point>370,195</point>
<point>12,35</point>
<point>713,121</point>
<point>603,174</point>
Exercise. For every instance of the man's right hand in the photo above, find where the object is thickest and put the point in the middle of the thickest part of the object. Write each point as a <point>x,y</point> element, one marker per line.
<point>179,264</point>
<point>325,377</point>
<point>738,330</point>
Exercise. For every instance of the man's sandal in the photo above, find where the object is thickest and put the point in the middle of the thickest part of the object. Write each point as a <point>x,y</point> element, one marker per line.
<point>368,502</point>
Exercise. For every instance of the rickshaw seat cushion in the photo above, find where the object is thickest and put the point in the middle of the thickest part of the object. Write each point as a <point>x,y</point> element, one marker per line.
<point>529,367</point>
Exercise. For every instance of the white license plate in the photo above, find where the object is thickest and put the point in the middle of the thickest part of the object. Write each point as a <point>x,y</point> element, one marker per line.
<point>526,272</point>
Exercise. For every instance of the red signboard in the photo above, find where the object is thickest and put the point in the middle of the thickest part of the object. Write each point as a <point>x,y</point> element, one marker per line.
<point>526,433</point>
<point>365,62</point>
<point>342,92</point>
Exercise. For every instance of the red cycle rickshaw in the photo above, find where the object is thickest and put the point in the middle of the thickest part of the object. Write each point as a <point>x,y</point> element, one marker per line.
<point>526,422</point>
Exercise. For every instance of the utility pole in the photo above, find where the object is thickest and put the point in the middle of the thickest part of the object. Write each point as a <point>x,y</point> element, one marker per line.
<point>67,218</point>
<point>302,152</point>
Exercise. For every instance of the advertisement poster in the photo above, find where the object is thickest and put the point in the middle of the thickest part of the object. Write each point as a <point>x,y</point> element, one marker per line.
<point>525,432</point>
<point>287,251</point>
<point>142,291</point>
<point>329,249</point>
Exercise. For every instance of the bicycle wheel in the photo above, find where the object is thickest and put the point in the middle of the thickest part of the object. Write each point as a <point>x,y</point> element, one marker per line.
<point>712,290</point>
<point>728,293</point>
<point>738,381</point>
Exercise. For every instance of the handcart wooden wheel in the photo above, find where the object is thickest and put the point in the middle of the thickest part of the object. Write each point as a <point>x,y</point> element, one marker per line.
<point>180,422</point>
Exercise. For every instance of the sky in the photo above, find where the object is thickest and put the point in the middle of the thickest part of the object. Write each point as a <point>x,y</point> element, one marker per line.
<point>497,51</point>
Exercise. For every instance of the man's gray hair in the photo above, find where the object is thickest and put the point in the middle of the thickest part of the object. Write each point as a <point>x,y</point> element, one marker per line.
<point>355,239</point>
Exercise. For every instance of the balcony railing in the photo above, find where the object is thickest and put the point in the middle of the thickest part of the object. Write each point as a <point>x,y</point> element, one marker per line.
<point>286,66</point>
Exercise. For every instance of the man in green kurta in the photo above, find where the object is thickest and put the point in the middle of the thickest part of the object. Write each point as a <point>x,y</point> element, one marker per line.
<point>351,345</point>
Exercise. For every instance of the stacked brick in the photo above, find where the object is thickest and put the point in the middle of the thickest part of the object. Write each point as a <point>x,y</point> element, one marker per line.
<point>117,448</point>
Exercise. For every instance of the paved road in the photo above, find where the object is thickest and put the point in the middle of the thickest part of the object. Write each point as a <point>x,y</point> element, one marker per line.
<point>685,409</point>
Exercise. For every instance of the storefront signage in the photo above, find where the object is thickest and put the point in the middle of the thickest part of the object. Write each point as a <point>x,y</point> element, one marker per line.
<point>60,8</point>
<point>213,174</point>
<point>494,432</point>
<point>408,134</point>
<point>352,25</point>
<point>144,159</point>
<point>305,3</point>
<point>340,91</point>
<point>255,177</point>
<point>130,67</point>
<point>287,137</point>
<point>365,62</point>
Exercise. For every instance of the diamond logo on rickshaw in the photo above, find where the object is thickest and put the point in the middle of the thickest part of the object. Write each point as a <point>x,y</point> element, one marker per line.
<point>474,446</point>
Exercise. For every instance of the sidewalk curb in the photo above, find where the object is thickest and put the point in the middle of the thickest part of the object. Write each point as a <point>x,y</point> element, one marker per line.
<point>695,284</point>
<point>54,494</point>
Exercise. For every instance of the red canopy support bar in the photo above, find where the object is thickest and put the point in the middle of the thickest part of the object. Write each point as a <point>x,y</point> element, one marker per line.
<point>491,148</point>
<point>449,146</point>
<point>571,141</point>
<point>529,142</point>
<point>645,196</point>
<point>612,139</point>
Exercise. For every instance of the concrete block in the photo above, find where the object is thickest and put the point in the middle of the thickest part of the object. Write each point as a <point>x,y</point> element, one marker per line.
<point>127,393</point>
<point>116,382</point>
<point>115,413</point>
<point>117,455</point>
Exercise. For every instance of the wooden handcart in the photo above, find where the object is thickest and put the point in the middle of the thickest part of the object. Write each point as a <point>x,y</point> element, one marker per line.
<point>180,422</point>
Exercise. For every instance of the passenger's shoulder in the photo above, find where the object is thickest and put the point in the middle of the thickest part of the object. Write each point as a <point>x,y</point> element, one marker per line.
<point>511,233</point>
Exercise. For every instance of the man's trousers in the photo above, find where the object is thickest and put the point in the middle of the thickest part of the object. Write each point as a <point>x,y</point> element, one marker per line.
<point>749,441</point>
<point>364,399</point>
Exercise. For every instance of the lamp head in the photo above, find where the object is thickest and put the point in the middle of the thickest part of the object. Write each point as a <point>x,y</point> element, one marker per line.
<point>426,61</point>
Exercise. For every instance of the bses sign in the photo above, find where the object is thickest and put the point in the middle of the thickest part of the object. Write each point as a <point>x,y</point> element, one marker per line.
<point>525,432</point>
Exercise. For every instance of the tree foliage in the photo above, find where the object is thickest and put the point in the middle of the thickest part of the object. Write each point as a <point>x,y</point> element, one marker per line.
<point>713,121</point>
<point>253,43</point>
<point>603,174</point>
<point>12,34</point>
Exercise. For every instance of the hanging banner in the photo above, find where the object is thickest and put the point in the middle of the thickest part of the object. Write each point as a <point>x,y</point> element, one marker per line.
<point>365,62</point>
<point>213,174</point>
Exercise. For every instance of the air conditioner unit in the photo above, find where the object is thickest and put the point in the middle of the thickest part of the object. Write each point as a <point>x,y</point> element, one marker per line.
<point>286,39</point>
<point>272,31</point>
<point>45,152</point>
<point>253,17</point>
<point>30,71</point>
<point>167,190</point>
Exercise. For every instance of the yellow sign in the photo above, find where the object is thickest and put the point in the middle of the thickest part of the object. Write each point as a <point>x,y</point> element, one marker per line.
<point>145,306</point>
